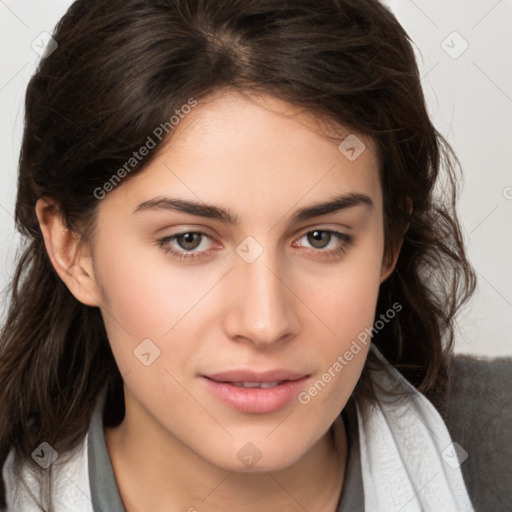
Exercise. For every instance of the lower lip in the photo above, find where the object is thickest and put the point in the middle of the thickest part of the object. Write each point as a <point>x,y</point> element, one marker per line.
<point>255,400</point>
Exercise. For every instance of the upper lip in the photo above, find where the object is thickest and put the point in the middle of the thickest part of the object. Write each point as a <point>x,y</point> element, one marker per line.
<point>246,375</point>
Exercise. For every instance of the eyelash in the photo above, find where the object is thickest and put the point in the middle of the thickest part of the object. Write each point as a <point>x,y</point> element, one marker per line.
<point>184,255</point>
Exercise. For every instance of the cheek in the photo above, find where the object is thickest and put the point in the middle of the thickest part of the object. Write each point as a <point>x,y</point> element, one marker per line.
<point>347,308</point>
<point>344,294</point>
<point>148,298</point>
<point>145,292</point>
<point>344,300</point>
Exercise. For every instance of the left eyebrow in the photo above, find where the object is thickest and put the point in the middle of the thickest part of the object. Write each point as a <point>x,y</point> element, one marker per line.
<point>338,203</point>
<point>215,212</point>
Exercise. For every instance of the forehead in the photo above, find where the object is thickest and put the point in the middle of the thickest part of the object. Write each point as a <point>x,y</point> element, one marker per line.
<point>228,116</point>
<point>256,153</point>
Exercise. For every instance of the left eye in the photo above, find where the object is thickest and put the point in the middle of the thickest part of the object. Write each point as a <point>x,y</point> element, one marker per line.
<point>320,238</point>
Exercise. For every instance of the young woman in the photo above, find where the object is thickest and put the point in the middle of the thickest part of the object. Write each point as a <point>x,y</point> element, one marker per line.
<point>238,286</point>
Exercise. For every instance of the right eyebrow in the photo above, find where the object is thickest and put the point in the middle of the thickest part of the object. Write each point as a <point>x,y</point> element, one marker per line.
<point>190,207</point>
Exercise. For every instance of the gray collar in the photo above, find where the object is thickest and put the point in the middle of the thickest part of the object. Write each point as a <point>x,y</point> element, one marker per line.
<point>104,491</point>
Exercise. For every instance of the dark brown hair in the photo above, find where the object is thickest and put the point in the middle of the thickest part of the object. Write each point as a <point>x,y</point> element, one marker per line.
<point>121,69</point>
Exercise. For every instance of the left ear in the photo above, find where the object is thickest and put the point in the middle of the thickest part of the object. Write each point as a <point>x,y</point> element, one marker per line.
<point>389,261</point>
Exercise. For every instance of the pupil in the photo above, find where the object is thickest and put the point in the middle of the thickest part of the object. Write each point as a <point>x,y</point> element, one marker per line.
<point>189,239</point>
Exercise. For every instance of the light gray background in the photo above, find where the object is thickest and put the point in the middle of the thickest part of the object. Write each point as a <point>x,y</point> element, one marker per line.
<point>470,100</point>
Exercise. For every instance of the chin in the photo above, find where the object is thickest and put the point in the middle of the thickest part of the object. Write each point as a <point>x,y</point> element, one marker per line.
<point>258,457</point>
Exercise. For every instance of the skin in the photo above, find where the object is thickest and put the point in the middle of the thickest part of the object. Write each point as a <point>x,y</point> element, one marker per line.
<point>293,307</point>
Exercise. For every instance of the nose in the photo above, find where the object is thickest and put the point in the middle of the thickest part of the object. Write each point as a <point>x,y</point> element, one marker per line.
<point>262,308</point>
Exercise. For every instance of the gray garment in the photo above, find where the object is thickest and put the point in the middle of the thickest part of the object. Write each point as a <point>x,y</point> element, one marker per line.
<point>105,494</point>
<point>352,495</point>
<point>104,491</point>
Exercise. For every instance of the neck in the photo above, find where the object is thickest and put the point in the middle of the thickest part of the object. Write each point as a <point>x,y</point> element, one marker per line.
<point>176,478</point>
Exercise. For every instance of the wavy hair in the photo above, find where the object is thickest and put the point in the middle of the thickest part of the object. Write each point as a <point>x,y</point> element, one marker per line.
<point>121,69</point>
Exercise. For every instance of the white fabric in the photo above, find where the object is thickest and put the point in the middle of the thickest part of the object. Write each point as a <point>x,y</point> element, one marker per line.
<point>401,446</point>
<point>401,443</point>
<point>70,491</point>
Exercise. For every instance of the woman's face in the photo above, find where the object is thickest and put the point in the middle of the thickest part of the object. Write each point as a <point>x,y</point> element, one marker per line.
<point>271,292</point>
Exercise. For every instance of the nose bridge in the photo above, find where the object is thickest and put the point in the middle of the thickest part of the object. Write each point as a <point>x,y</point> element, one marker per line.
<point>263,311</point>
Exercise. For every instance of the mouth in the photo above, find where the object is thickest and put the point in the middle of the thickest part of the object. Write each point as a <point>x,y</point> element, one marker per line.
<point>264,385</point>
<point>253,392</point>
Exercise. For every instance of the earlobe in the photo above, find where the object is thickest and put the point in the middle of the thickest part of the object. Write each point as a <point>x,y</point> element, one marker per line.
<point>72,263</point>
<point>389,265</point>
<point>389,262</point>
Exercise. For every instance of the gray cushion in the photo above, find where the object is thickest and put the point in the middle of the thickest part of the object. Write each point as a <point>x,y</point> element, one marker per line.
<point>479,418</point>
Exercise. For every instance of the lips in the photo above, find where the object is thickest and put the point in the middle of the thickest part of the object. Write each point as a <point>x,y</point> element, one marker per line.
<point>251,376</point>
<point>249,391</point>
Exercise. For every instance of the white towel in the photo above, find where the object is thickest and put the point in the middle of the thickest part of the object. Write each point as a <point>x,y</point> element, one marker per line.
<point>408,460</point>
<point>71,491</point>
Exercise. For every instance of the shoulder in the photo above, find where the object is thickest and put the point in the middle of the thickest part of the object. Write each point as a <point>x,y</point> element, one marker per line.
<point>478,415</point>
